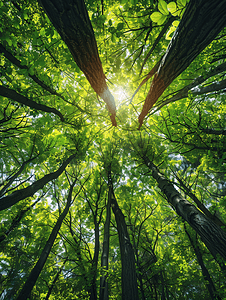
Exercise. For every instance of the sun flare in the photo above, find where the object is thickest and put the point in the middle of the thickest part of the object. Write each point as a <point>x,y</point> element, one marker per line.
<point>120,95</point>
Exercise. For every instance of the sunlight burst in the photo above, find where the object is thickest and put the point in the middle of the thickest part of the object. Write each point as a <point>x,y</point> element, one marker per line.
<point>119,95</point>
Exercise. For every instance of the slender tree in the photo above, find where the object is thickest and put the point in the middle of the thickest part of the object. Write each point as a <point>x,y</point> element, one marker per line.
<point>209,282</point>
<point>15,197</point>
<point>32,278</point>
<point>129,277</point>
<point>105,252</point>
<point>211,234</point>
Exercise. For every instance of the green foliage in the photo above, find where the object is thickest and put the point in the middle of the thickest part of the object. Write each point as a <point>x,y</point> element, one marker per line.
<point>185,138</point>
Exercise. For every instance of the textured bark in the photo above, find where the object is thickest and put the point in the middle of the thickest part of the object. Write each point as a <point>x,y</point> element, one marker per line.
<point>200,24</point>
<point>199,204</point>
<point>212,235</point>
<point>9,93</point>
<point>15,197</point>
<point>183,93</point>
<point>31,280</point>
<point>105,253</point>
<point>208,280</point>
<point>71,20</point>
<point>129,278</point>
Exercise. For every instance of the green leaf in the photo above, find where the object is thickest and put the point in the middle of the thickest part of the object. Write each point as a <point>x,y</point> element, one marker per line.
<point>176,23</point>
<point>102,19</point>
<point>120,26</point>
<point>162,7</point>
<point>158,18</point>
<point>172,8</point>
<point>42,31</point>
<point>181,3</point>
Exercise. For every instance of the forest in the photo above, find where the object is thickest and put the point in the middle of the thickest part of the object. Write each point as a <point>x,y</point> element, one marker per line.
<point>113,149</point>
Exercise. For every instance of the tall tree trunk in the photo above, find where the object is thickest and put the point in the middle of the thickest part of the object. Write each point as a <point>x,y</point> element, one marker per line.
<point>129,277</point>
<point>32,278</point>
<point>15,197</point>
<point>201,23</point>
<point>211,234</point>
<point>105,253</point>
<point>71,20</point>
<point>200,205</point>
<point>208,280</point>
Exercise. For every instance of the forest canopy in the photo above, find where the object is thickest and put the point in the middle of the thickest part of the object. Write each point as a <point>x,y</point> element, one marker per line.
<point>113,149</point>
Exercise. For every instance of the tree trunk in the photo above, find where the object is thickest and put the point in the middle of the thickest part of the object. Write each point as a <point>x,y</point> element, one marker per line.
<point>199,204</point>
<point>105,253</point>
<point>31,280</point>
<point>201,23</point>
<point>71,20</point>
<point>15,197</point>
<point>129,277</point>
<point>211,234</point>
<point>208,280</point>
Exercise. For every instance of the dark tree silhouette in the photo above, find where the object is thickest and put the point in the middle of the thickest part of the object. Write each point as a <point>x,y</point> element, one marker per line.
<point>71,20</point>
<point>201,23</point>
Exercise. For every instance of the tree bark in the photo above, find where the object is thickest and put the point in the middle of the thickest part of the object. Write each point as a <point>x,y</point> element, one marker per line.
<point>199,204</point>
<point>208,280</point>
<point>15,197</point>
<point>31,280</point>
<point>71,20</point>
<point>212,235</point>
<point>183,93</point>
<point>129,277</point>
<point>201,23</point>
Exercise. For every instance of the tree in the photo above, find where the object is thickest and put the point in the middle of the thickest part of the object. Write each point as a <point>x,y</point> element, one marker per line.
<point>94,211</point>
<point>201,23</point>
<point>71,20</point>
<point>31,280</point>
